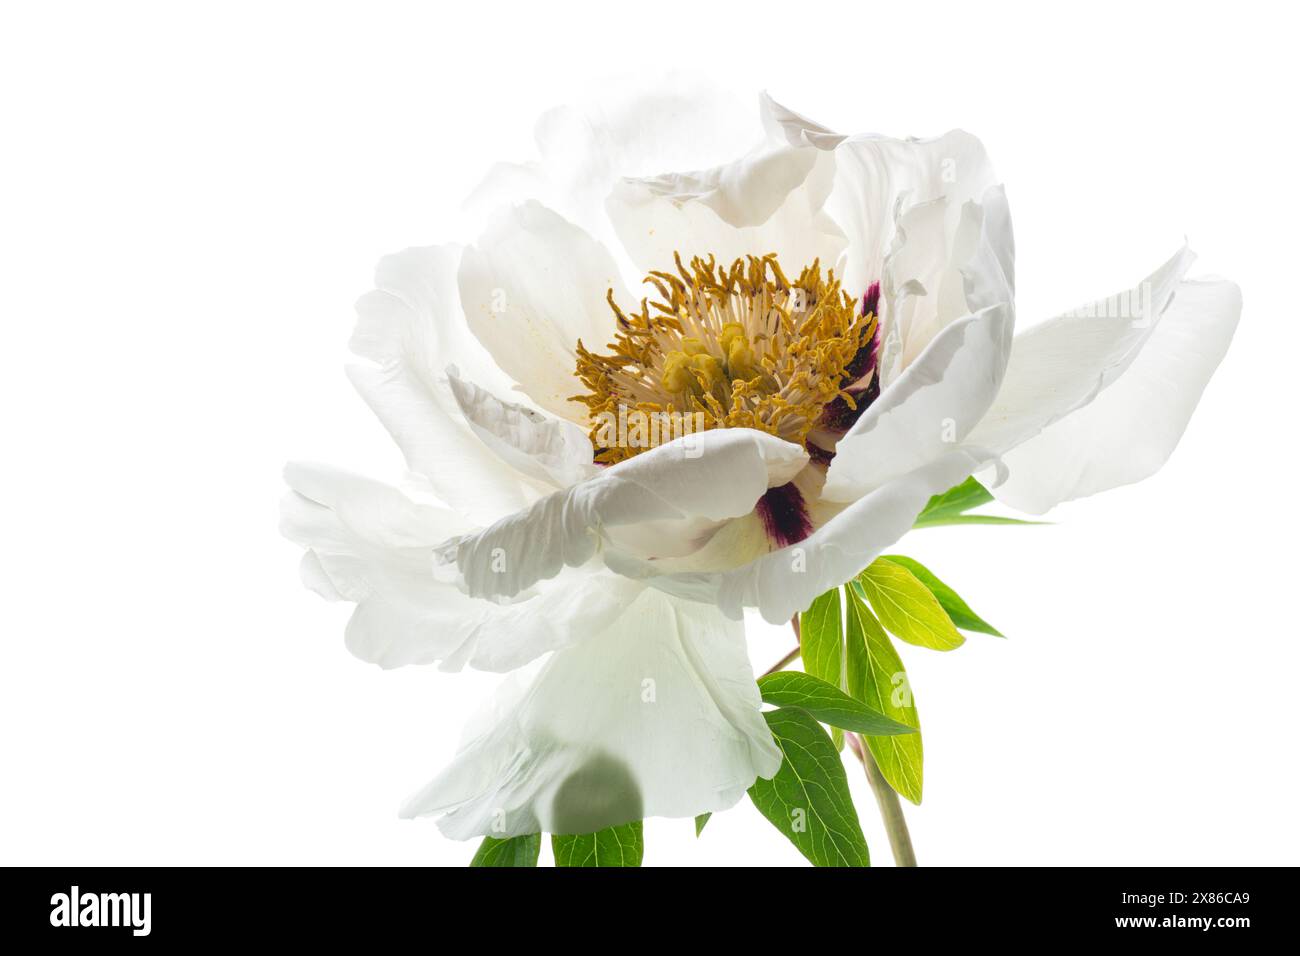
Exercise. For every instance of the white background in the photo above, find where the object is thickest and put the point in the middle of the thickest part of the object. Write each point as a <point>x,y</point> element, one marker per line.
<point>194,195</point>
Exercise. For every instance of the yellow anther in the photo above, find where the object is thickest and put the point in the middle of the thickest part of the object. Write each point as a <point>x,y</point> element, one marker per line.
<point>677,375</point>
<point>731,332</point>
<point>740,344</point>
<point>710,370</point>
<point>740,360</point>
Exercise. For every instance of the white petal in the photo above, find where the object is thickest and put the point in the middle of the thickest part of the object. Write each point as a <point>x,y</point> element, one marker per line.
<point>656,715</point>
<point>638,127</point>
<point>364,510</point>
<point>442,624</point>
<point>1060,365</point>
<point>430,332</point>
<point>710,476</point>
<point>785,582</point>
<point>370,544</point>
<point>1132,427</point>
<point>931,277</point>
<point>410,325</point>
<point>931,407</point>
<point>984,250</point>
<point>872,174</point>
<point>786,126</point>
<point>911,287</point>
<point>551,450</point>
<point>459,467</point>
<point>769,201</point>
<point>532,287</point>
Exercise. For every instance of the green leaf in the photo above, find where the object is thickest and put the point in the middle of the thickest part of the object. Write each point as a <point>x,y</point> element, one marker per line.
<point>515,851</point>
<point>907,608</point>
<point>958,610</point>
<point>702,819</point>
<point>876,677</point>
<point>949,507</point>
<point>808,799</point>
<point>971,519</point>
<point>969,494</point>
<point>821,645</point>
<point>614,846</point>
<point>828,704</point>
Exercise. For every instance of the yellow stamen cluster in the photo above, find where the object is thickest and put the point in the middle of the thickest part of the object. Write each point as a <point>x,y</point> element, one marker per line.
<point>737,347</point>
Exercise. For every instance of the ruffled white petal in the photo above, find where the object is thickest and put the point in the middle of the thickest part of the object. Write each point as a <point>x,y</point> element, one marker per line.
<point>533,286</point>
<point>1062,364</point>
<point>655,715</point>
<point>638,127</point>
<point>961,327</point>
<point>769,201</point>
<point>783,125</point>
<point>1129,430</point>
<point>873,173</point>
<point>684,487</point>
<point>410,327</point>
<point>550,450</point>
<point>931,408</point>
<point>370,544</point>
<point>414,316</point>
<point>358,509</point>
<point>932,278</point>
<point>785,582</point>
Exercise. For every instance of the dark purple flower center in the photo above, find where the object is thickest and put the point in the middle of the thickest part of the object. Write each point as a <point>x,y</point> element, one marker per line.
<point>784,515</point>
<point>861,382</point>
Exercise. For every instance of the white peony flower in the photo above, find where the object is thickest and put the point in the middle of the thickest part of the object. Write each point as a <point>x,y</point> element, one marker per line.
<point>605,482</point>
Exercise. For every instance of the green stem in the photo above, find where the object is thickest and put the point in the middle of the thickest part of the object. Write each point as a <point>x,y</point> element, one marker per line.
<point>891,811</point>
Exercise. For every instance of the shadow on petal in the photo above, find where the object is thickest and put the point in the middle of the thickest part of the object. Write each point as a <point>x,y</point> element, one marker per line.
<point>601,793</point>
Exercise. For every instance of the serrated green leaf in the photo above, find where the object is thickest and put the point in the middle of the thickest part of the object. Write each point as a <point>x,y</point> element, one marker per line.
<point>958,611</point>
<point>821,645</point>
<point>808,799</point>
<point>907,608</point>
<point>828,704</point>
<point>700,821</point>
<point>514,851</point>
<point>876,677</point>
<point>614,846</point>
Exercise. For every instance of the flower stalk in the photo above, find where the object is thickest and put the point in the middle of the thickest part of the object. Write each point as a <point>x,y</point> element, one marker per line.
<point>782,663</point>
<point>891,811</point>
<point>793,655</point>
